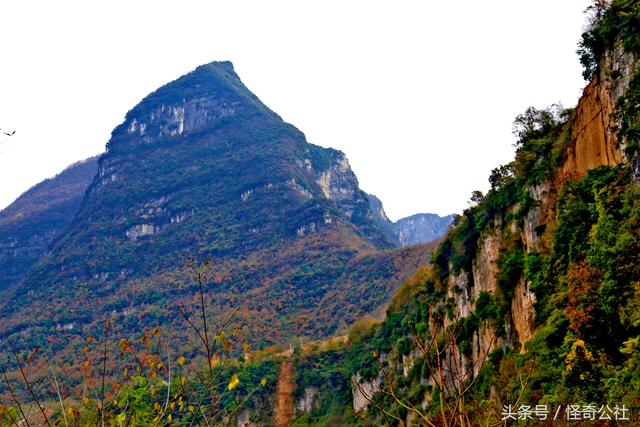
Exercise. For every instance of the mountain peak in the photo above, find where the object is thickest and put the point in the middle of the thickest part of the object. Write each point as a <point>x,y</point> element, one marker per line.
<point>198,101</point>
<point>226,66</point>
<point>200,168</point>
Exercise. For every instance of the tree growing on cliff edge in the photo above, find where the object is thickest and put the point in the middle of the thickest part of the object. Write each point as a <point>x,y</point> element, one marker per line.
<point>534,123</point>
<point>609,22</point>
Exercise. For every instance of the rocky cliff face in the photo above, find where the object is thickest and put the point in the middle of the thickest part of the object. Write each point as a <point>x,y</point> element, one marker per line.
<point>30,224</point>
<point>593,142</point>
<point>594,138</point>
<point>307,402</point>
<point>380,217</point>
<point>363,391</point>
<point>340,185</point>
<point>518,275</point>
<point>594,129</point>
<point>465,293</point>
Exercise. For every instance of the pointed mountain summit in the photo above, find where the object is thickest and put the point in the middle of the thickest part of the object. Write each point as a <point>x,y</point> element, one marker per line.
<point>199,169</point>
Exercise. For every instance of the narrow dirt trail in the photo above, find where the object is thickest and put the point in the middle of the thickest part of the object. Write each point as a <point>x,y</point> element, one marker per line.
<point>285,410</point>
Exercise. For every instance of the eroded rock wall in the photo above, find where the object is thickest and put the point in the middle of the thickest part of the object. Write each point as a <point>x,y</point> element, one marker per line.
<point>594,140</point>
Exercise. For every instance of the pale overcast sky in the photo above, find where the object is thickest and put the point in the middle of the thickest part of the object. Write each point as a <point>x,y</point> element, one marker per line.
<point>420,95</point>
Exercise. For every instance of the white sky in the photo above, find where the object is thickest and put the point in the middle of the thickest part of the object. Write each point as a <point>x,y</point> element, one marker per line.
<point>420,95</point>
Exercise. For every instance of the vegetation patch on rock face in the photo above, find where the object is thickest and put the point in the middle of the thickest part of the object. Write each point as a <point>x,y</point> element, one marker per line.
<point>628,115</point>
<point>610,22</point>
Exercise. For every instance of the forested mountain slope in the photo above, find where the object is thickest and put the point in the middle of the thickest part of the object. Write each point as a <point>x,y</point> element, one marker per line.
<point>201,169</point>
<point>30,224</point>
